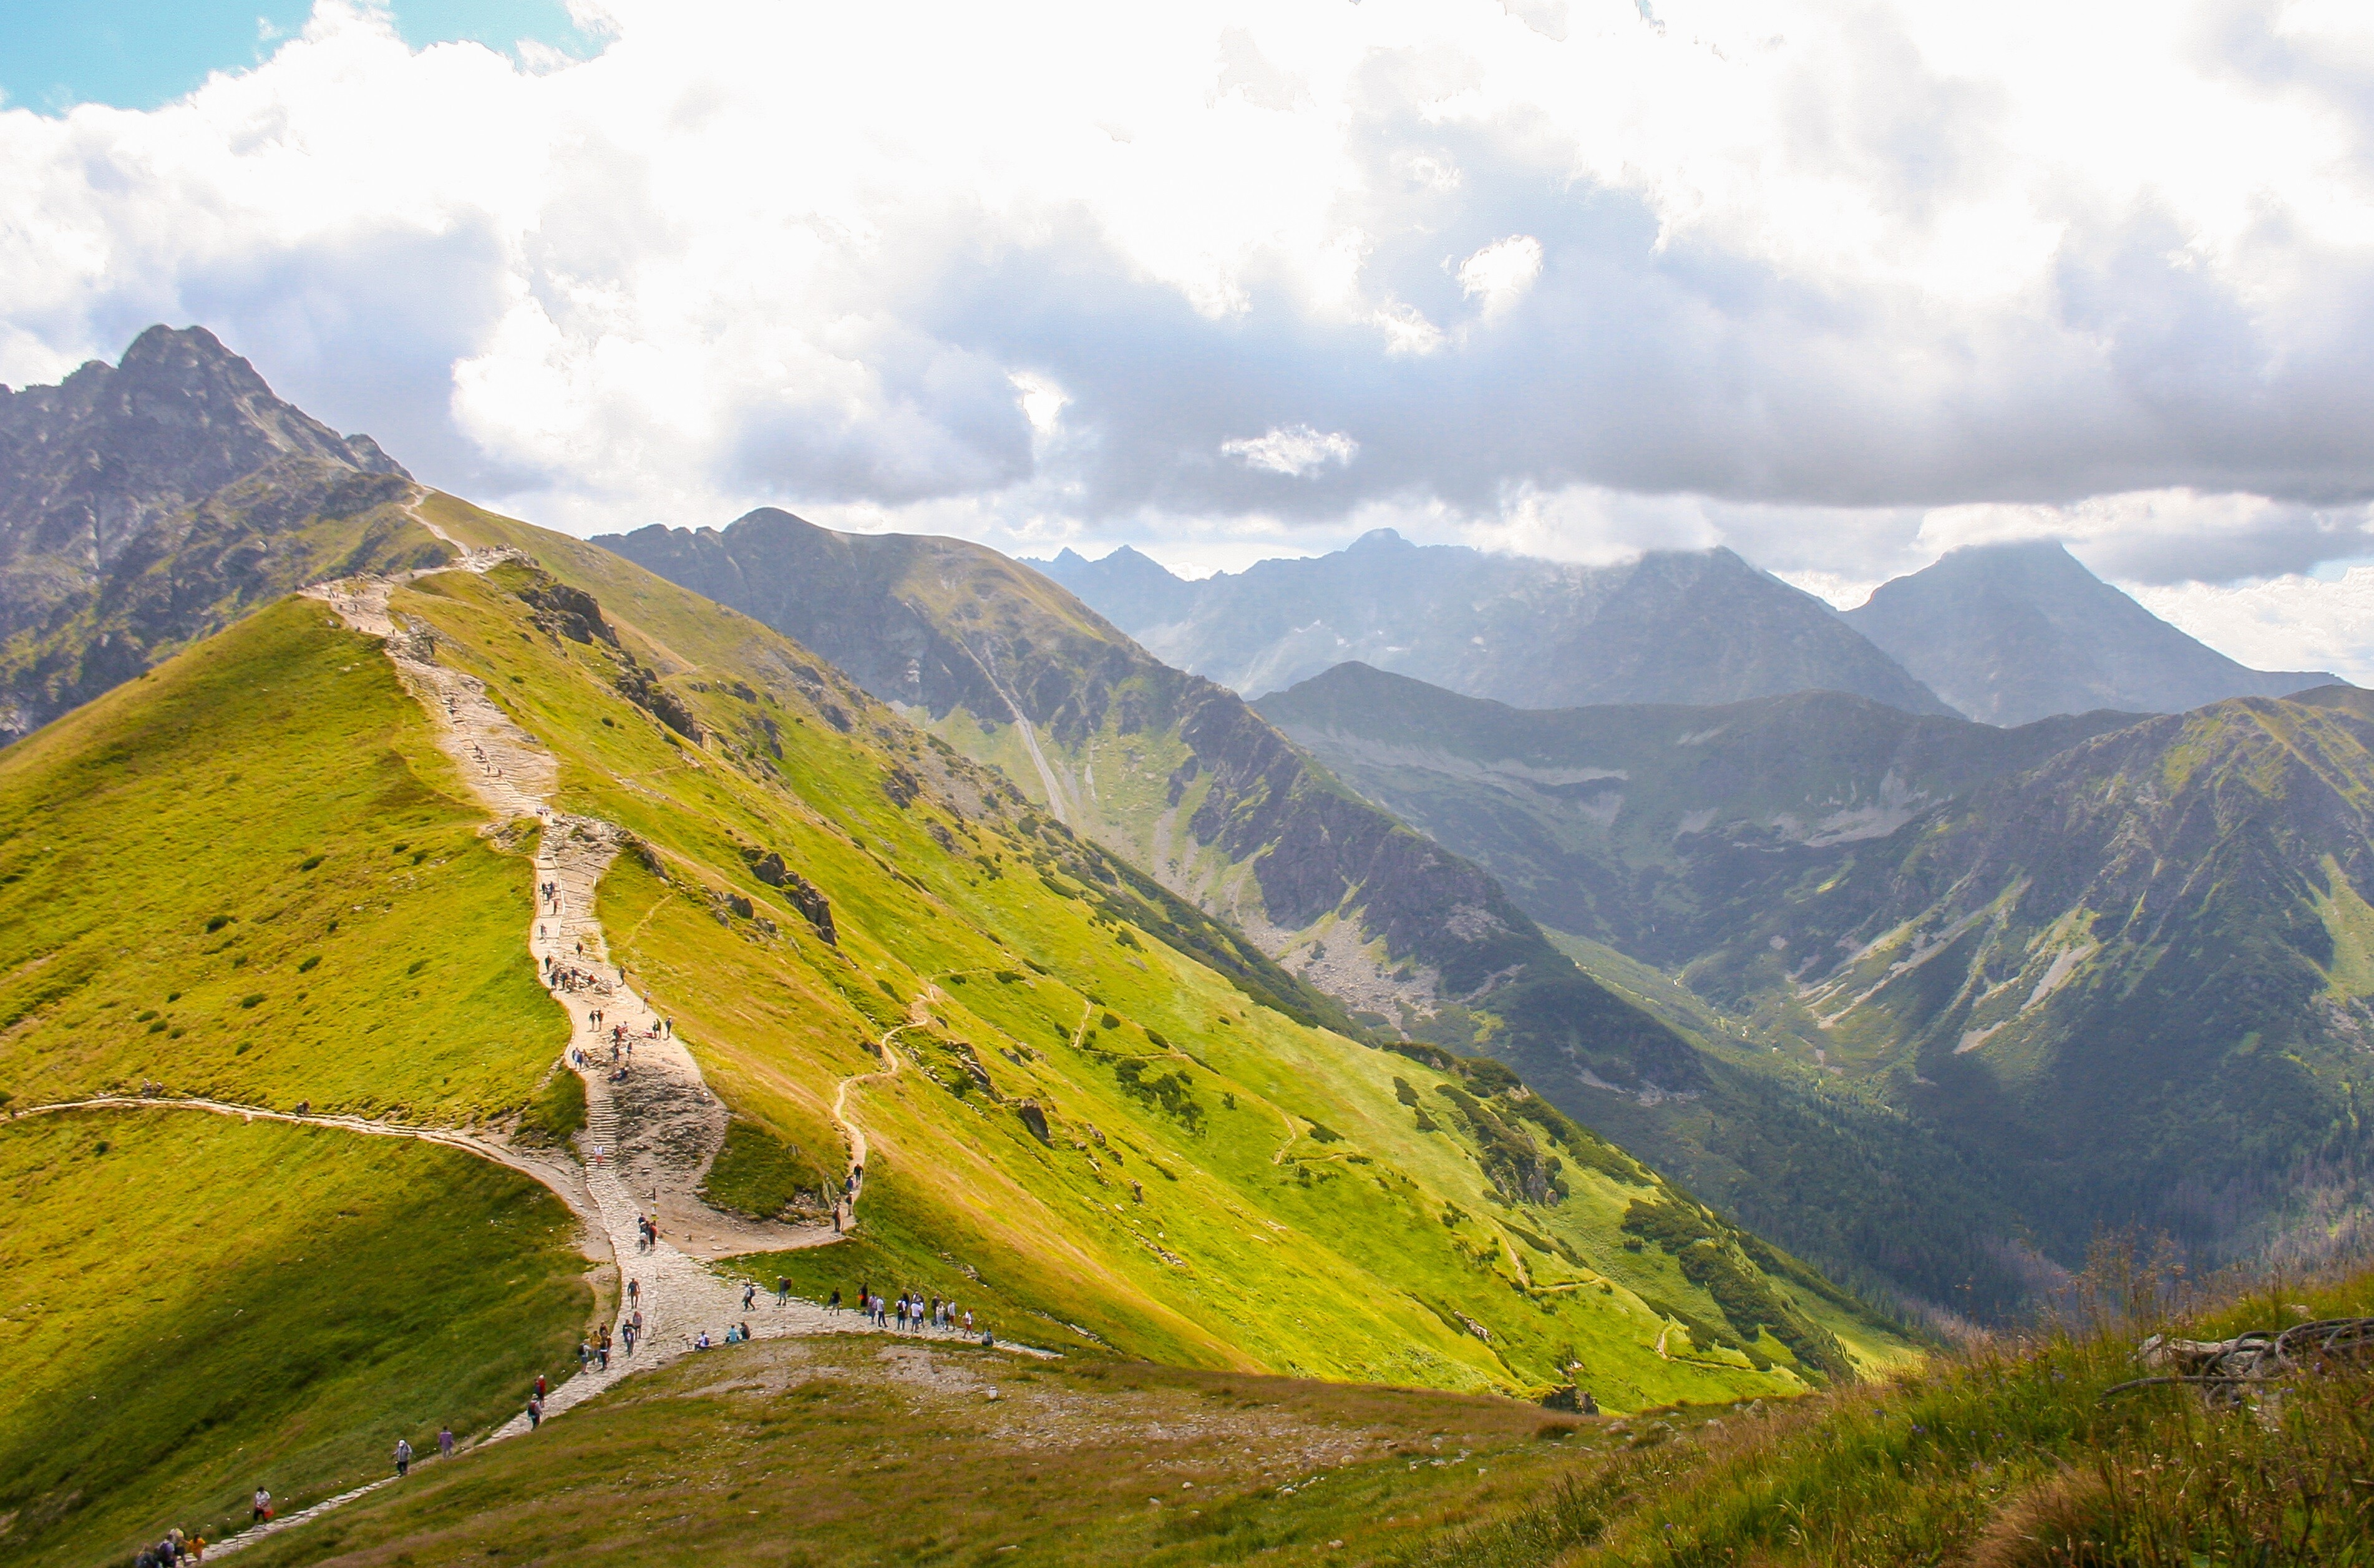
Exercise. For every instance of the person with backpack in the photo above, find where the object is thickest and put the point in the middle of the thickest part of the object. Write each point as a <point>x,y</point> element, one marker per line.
<point>536,1411</point>
<point>402,1458</point>
<point>263,1509</point>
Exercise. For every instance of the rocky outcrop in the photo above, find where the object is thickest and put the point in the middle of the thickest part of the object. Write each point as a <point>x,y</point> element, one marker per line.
<point>187,576</point>
<point>88,466</point>
<point>146,504</point>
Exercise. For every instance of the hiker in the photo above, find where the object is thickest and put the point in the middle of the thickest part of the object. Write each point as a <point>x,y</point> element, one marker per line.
<point>585,1354</point>
<point>833,1302</point>
<point>535,1412</point>
<point>783,1290</point>
<point>746,1333</point>
<point>968,1323</point>
<point>402,1458</point>
<point>263,1509</point>
<point>539,1386</point>
<point>635,1287</point>
<point>603,1349</point>
<point>445,1440</point>
<point>702,1343</point>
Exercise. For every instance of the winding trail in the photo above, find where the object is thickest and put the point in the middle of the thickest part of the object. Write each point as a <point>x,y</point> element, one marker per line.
<point>649,1130</point>
<point>919,1016</point>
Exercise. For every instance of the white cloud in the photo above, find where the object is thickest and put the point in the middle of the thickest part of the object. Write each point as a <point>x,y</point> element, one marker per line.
<point>2290,622</point>
<point>1295,450</point>
<point>1839,283</point>
<point>1501,272</point>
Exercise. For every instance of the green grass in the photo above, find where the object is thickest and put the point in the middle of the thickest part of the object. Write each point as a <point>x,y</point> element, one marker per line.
<point>758,1174</point>
<point>1187,1205</point>
<point>859,1453</point>
<point>2012,1455</point>
<point>249,876</point>
<point>557,1113</point>
<point>196,1305</point>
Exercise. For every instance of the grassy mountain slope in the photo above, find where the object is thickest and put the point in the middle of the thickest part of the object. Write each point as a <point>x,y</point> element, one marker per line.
<point>2016,1455</point>
<point>1218,1183</point>
<point>252,876</point>
<point>1178,775</point>
<point>2096,969</point>
<point>834,1452</point>
<point>1660,831</point>
<point>195,1306</point>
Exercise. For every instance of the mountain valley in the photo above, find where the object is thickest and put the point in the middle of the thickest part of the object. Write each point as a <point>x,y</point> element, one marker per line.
<point>296,872</point>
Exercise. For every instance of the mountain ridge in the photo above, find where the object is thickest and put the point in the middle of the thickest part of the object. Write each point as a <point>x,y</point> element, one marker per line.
<point>2009,633</point>
<point>143,504</point>
<point>1670,626</point>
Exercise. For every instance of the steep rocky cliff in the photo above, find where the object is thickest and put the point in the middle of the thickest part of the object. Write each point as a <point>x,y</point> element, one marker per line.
<point>142,503</point>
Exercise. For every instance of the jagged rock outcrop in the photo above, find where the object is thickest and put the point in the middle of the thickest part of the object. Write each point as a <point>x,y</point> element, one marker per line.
<point>147,504</point>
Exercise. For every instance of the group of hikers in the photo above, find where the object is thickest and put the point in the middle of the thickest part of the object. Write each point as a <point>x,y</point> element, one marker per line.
<point>909,1313</point>
<point>175,1547</point>
<point>912,1311</point>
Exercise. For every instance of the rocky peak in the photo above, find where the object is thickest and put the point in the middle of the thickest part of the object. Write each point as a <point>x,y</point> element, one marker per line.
<point>2013,632</point>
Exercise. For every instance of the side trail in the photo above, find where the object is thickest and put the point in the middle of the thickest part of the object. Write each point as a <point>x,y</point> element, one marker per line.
<point>652,1131</point>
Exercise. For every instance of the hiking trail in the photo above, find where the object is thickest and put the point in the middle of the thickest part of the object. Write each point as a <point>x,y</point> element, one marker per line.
<point>651,1131</point>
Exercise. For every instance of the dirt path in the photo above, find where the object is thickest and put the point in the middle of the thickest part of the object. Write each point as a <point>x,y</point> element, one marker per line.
<point>918,1016</point>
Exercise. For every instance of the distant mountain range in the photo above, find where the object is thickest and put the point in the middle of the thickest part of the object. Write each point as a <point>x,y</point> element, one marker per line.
<point>1673,627</point>
<point>2003,633</point>
<point>148,503</point>
<point>2123,965</point>
<point>2011,632</point>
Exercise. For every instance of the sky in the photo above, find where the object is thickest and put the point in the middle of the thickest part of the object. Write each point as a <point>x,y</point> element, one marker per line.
<point>1841,286</point>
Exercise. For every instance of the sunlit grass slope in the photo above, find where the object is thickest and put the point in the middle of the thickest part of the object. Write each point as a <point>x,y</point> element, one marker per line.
<point>1111,1133</point>
<point>859,1454</point>
<point>192,1306</point>
<point>249,875</point>
<point>2014,1456</point>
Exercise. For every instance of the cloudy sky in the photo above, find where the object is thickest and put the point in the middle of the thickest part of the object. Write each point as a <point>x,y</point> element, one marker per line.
<point>1841,285</point>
